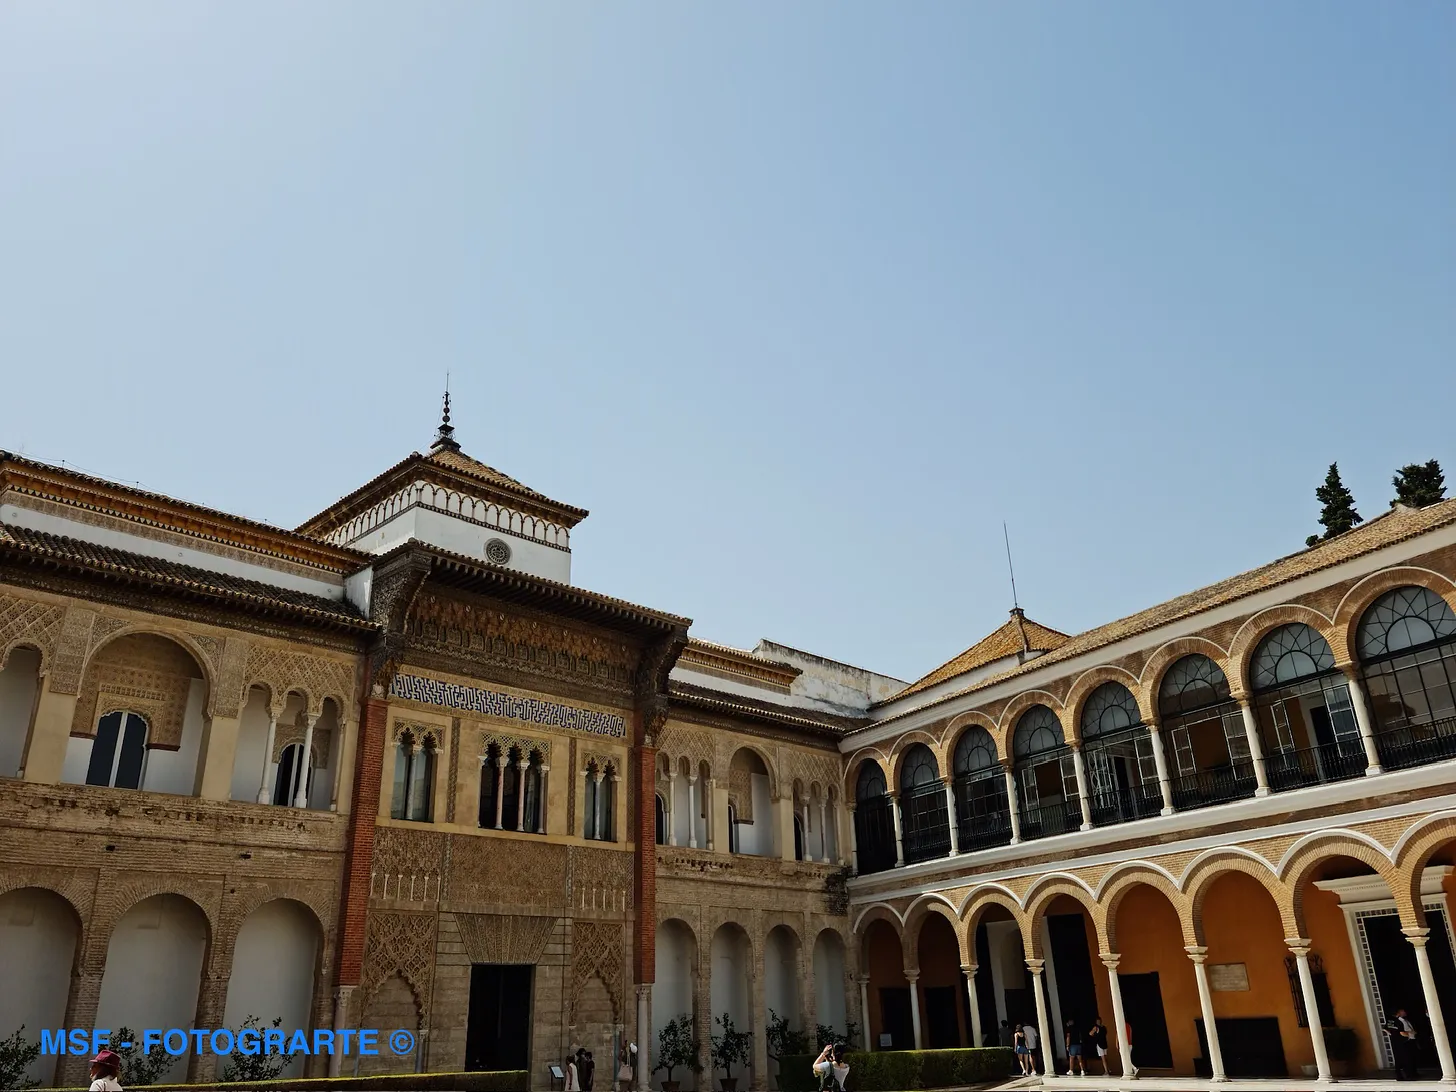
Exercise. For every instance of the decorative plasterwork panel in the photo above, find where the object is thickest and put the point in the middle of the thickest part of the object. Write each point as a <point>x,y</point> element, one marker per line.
<point>596,949</point>
<point>504,938</point>
<point>400,943</point>
<point>29,622</point>
<point>316,678</point>
<point>142,674</point>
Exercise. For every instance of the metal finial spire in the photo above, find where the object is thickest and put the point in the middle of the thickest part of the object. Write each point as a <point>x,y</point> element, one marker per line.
<point>445,435</point>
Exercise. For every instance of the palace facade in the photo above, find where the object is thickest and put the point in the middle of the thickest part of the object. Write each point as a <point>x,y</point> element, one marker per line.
<point>393,770</point>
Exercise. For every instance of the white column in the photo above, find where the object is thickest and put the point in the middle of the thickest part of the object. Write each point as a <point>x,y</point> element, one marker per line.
<point>341,1021</point>
<point>899,834</point>
<point>264,795</point>
<point>522,765</point>
<point>1124,1051</point>
<point>969,970</point>
<point>1300,947</point>
<point>853,852</point>
<point>1080,766</point>
<point>864,1009</point>
<point>823,832</point>
<point>1418,938</point>
<point>409,783</point>
<point>500,789</point>
<point>671,807</point>
<point>644,1038</point>
<point>1362,718</point>
<point>710,802</point>
<point>342,729</point>
<point>808,856</point>
<point>601,830</point>
<point>913,979</point>
<point>305,764</point>
<point>545,799</point>
<point>1013,804</point>
<point>1199,955</point>
<point>1048,1053</point>
<point>692,811</point>
<point>1256,748</point>
<point>950,811</point>
<point>1165,783</point>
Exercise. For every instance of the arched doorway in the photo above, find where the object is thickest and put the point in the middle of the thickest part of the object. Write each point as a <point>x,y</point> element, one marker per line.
<point>874,821</point>
<point>781,982</point>
<point>730,988</point>
<point>829,982</point>
<point>1003,984</point>
<point>19,681</point>
<point>674,991</point>
<point>1307,724</point>
<point>39,931</point>
<point>275,960</point>
<point>943,1002</point>
<point>1159,991</point>
<point>154,969</point>
<point>752,804</point>
<point>889,1024</point>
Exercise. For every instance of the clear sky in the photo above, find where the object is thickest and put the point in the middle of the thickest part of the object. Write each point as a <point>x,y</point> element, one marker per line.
<point>801,300</point>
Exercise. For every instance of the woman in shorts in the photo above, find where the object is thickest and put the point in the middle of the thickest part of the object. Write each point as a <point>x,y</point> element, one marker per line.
<point>1023,1052</point>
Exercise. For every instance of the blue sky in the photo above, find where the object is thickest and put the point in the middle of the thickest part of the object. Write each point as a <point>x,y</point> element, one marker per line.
<point>801,300</point>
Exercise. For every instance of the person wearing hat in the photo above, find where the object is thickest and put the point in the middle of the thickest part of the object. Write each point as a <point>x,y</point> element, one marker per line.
<point>106,1072</point>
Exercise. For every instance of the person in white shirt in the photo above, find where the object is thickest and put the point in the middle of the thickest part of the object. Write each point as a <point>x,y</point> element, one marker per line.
<point>1033,1043</point>
<point>106,1072</point>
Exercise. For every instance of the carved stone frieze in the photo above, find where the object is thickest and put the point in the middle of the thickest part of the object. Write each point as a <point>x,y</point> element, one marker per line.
<point>27,621</point>
<point>282,670</point>
<point>489,871</point>
<point>403,944</point>
<point>504,938</point>
<point>71,649</point>
<point>596,949</point>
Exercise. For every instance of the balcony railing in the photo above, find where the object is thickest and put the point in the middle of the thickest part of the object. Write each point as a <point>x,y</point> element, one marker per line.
<point>1295,769</point>
<point>1123,805</point>
<point>1045,820</point>
<point>983,819</point>
<point>924,823</point>
<point>1417,744</point>
<point>1203,788</point>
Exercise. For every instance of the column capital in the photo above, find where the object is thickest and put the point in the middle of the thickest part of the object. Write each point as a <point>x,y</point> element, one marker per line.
<point>692,779</point>
<point>1300,946</point>
<point>1196,952</point>
<point>523,764</point>
<point>969,969</point>
<point>500,762</point>
<point>644,989</point>
<point>862,979</point>
<point>912,977</point>
<point>672,774</point>
<point>545,767</point>
<point>1110,960</point>
<point>1417,935</point>
<point>1035,966</point>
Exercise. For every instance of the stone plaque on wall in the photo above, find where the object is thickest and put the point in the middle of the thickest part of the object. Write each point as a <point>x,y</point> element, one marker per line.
<point>1228,977</point>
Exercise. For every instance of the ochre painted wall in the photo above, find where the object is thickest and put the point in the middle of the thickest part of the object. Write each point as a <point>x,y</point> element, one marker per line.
<point>1152,941</point>
<point>1330,939</point>
<point>940,965</point>
<point>884,965</point>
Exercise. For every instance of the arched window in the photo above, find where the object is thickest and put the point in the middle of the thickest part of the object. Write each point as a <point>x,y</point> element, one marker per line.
<point>1306,723</point>
<point>874,823</point>
<point>414,778</point>
<point>492,803</point>
<point>983,818</point>
<point>924,824</point>
<point>1208,748</point>
<point>1047,775</point>
<point>119,751</point>
<point>600,804</point>
<point>290,768</point>
<point>1407,648</point>
<point>798,838</point>
<point>732,829</point>
<point>1122,771</point>
<point>659,815</point>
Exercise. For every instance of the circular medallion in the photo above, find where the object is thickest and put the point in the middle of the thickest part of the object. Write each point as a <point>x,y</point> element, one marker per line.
<point>497,552</point>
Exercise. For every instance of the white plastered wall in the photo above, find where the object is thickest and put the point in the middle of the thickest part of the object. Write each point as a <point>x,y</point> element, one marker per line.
<point>273,971</point>
<point>18,684</point>
<point>729,989</point>
<point>38,934</point>
<point>830,1005</point>
<point>162,770</point>
<point>672,992</point>
<point>781,981</point>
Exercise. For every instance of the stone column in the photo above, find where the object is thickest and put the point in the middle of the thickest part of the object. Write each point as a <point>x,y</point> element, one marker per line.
<point>500,787</point>
<point>545,799</point>
<point>899,833</point>
<point>1362,717</point>
<point>853,844</point>
<point>522,765</point>
<point>50,733</point>
<point>345,758</point>
<point>1013,803</point>
<point>1418,938</point>
<point>81,1002</point>
<point>1080,767</point>
<point>1048,1052</point>
<point>1256,748</point>
<point>808,994</point>
<point>618,819</point>
<point>305,767</point>
<point>600,810</point>
<point>211,999</point>
<point>783,817</point>
<point>671,816</point>
<point>692,811</point>
<point>913,977</point>
<point>969,970</point>
<point>757,1005</point>
<point>264,795</point>
<point>341,1021</point>
<point>214,780</point>
<point>411,749</point>
<point>1199,955</point>
<point>1160,758</point>
<point>644,1036</point>
<point>950,812</point>
<point>1124,1049</point>
<point>823,831</point>
<point>710,806</point>
<point>864,1009</point>
<point>1300,947</point>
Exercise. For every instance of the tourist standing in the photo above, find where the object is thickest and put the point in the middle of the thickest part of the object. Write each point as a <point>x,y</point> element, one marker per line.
<point>1097,1036</point>
<point>1023,1052</point>
<point>1072,1044</point>
<point>1403,1045</point>
<point>1033,1041</point>
<point>106,1072</point>
<point>573,1083</point>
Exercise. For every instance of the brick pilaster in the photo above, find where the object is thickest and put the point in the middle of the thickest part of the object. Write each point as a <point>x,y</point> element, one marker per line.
<point>645,831</point>
<point>359,855</point>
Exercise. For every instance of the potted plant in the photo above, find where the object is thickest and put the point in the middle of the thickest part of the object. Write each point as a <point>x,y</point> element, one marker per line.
<point>676,1046</point>
<point>782,1039</point>
<point>1343,1047</point>
<point>730,1049</point>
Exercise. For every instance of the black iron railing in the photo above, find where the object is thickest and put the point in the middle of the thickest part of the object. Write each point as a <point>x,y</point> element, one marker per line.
<point>1123,805</point>
<point>874,834</point>
<point>1417,744</point>
<point>983,819</point>
<point>1045,820</point>
<point>924,823</point>
<point>1294,769</point>
<point>1216,786</point>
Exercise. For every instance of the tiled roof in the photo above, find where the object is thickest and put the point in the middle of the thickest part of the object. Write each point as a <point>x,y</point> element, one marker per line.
<point>458,460</point>
<point>39,547</point>
<point>808,720</point>
<point>1387,529</point>
<point>1018,634</point>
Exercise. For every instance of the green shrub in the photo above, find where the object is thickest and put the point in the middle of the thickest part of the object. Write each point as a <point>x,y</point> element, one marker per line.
<point>506,1080</point>
<point>895,1070</point>
<point>16,1054</point>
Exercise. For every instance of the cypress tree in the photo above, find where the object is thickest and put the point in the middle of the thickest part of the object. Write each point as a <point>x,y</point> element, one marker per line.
<point>1419,484</point>
<point>1338,514</point>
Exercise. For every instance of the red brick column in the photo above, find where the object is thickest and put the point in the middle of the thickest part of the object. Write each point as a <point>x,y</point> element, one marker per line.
<point>359,855</point>
<point>645,831</point>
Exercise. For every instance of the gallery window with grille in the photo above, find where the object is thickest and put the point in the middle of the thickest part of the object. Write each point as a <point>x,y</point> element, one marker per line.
<point>1046,775</point>
<point>982,815</point>
<point>924,824</point>
<point>1407,648</point>
<point>119,751</point>
<point>874,821</point>
<point>1208,749</point>
<point>600,800</point>
<point>1122,772</point>
<point>1307,723</point>
<point>414,778</point>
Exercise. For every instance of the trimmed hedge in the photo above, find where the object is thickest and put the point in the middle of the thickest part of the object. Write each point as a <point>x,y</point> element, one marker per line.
<point>506,1080</point>
<point>893,1070</point>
